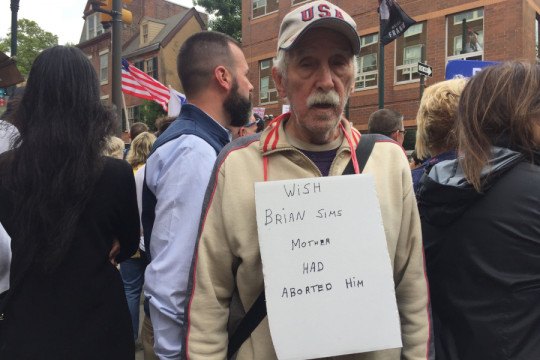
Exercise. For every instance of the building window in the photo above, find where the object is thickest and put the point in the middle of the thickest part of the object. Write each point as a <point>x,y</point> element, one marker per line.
<point>409,53</point>
<point>148,66</point>
<point>134,114</point>
<point>296,2</point>
<point>536,29</point>
<point>93,26</point>
<point>263,7</point>
<point>366,78</point>
<point>466,27</point>
<point>145,33</point>
<point>151,67</point>
<point>267,88</point>
<point>139,65</point>
<point>104,68</point>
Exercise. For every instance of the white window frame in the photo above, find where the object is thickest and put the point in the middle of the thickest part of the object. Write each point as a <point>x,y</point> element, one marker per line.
<point>101,55</point>
<point>260,4</point>
<point>267,63</point>
<point>365,76</point>
<point>97,26</point>
<point>475,15</point>
<point>374,40</point>
<point>145,33</point>
<point>415,29</point>
<point>269,92</point>
<point>131,113</point>
<point>263,65</point>
<point>298,3</point>
<point>90,31</point>
<point>408,68</point>
<point>266,91</point>
<point>253,8</point>
<point>458,39</point>
<point>467,55</point>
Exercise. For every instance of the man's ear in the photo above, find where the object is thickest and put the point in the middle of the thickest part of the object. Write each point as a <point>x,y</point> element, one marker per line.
<point>279,81</point>
<point>243,131</point>
<point>223,77</point>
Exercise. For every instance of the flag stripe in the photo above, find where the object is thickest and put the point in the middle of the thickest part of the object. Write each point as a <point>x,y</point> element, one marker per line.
<point>137,83</point>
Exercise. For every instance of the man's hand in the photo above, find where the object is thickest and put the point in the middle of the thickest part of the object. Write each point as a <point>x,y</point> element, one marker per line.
<point>115,250</point>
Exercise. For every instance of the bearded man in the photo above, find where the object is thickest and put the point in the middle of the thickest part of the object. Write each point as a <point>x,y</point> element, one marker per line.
<point>213,72</point>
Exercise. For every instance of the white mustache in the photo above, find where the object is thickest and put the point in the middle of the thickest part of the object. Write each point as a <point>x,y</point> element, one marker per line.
<point>329,98</point>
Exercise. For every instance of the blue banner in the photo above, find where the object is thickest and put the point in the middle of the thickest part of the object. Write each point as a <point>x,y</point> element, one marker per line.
<point>465,68</point>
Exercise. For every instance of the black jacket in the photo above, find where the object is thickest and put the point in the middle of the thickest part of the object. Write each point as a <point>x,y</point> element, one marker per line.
<point>79,311</point>
<point>483,259</point>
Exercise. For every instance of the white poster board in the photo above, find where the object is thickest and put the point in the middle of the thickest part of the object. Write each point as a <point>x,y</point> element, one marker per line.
<point>327,273</point>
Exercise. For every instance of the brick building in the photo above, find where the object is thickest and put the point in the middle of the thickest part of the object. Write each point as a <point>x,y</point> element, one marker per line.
<point>151,42</point>
<point>499,29</point>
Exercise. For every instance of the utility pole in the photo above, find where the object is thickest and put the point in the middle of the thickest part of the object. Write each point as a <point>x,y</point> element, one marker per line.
<point>381,69</point>
<point>117,62</point>
<point>113,12</point>
<point>422,77</point>
<point>14,27</point>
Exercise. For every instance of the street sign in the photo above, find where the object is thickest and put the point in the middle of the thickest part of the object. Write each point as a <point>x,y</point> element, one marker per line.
<point>425,69</point>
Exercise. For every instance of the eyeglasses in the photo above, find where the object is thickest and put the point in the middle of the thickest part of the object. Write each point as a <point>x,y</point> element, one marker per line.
<point>259,123</point>
<point>403,132</point>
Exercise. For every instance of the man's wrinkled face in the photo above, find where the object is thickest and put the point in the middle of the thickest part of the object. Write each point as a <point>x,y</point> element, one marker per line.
<point>318,81</point>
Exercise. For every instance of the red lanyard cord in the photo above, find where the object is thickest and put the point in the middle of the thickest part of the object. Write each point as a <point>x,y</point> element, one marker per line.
<point>353,149</point>
<point>351,145</point>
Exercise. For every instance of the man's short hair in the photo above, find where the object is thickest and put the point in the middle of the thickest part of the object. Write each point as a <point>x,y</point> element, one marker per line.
<point>200,54</point>
<point>385,121</point>
<point>136,129</point>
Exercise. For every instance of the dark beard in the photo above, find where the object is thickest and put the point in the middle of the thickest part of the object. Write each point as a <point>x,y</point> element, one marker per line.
<point>238,108</point>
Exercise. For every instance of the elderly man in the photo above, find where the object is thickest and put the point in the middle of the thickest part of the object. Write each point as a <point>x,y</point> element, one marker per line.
<point>387,122</point>
<point>315,70</point>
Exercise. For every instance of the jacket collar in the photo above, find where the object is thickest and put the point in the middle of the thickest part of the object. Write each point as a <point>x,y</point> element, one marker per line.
<point>274,139</point>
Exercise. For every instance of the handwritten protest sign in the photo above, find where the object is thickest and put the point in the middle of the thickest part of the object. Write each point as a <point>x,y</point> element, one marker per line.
<point>327,272</point>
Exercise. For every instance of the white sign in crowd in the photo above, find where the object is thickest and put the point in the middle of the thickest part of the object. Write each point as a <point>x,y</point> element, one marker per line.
<point>327,273</point>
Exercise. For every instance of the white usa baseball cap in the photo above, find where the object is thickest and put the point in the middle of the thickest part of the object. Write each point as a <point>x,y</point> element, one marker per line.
<point>317,14</point>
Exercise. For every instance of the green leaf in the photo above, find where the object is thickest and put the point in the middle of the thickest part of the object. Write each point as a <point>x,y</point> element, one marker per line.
<point>31,40</point>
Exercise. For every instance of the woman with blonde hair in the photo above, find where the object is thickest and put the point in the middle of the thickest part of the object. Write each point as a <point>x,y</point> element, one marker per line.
<point>481,222</point>
<point>132,270</point>
<point>140,149</point>
<point>114,147</point>
<point>436,118</point>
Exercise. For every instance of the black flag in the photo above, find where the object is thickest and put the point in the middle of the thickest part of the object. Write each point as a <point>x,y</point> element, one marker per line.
<point>394,21</point>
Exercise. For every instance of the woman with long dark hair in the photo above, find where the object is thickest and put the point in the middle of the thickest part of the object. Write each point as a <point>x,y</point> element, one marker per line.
<point>64,205</point>
<point>481,218</point>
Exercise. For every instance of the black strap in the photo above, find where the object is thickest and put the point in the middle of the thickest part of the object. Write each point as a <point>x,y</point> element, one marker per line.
<point>363,151</point>
<point>257,312</point>
<point>251,320</point>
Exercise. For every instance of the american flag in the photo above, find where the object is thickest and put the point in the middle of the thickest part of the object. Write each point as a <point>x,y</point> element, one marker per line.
<point>139,84</point>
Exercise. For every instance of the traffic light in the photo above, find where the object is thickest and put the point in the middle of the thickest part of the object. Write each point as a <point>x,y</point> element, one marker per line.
<point>127,16</point>
<point>106,5</point>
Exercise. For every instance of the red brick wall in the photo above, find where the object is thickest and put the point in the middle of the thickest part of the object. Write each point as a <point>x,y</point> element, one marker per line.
<point>508,34</point>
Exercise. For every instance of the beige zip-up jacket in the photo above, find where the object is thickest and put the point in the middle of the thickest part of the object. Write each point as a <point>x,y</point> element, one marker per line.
<point>227,260</point>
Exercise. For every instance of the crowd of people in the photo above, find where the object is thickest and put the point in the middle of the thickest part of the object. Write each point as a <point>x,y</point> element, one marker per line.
<point>87,226</point>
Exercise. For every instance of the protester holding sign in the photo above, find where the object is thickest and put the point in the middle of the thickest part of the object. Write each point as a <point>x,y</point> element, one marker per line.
<point>315,71</point>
